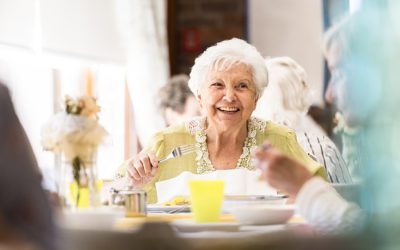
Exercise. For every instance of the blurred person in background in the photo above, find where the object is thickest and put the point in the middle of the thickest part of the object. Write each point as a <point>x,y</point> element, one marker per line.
<point>286,100</point>
<point>288,96</point>
<point>25,212</point>
<point>227,80</point>
<point>177,102</point>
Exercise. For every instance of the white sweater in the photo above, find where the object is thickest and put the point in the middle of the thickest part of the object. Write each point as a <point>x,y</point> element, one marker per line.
<point>326,211</point>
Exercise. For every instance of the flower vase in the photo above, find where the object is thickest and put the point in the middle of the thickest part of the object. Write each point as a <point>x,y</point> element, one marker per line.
<point>81,184</point>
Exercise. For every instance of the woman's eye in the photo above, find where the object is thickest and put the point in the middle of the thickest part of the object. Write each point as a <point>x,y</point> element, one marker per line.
<point>243,85</point>
<point>217,84</point>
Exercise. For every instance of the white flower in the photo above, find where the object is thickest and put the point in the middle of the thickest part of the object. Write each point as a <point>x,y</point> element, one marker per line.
<point>89,106</point>
<point>75,135</point>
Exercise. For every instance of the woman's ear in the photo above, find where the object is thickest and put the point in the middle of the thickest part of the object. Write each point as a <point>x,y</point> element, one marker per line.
<point>257,97</point>
<point>198,98</point>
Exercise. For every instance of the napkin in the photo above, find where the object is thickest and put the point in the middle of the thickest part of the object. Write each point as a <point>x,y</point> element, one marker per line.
<point>237,182</point>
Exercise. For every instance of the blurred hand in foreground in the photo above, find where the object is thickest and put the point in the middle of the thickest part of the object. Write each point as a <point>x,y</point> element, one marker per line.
<point>280,171</point>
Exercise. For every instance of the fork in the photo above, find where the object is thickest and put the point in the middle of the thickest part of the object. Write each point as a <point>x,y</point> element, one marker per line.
<point>184,208</point>
<point>178,152</point>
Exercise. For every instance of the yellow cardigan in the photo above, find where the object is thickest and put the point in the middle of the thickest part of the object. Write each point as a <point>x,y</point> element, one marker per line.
<point>192,132</point>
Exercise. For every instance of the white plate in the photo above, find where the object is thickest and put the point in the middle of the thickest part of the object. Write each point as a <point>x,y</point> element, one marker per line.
<point>155,208</point>
<point>231,202</point>
<point>264,214</point>
<point>189,225</point>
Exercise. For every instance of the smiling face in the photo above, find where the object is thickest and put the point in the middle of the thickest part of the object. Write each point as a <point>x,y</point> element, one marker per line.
<point>228,97</point>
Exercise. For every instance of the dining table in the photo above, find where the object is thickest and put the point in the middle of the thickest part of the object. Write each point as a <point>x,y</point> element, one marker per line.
<point>164,230</point>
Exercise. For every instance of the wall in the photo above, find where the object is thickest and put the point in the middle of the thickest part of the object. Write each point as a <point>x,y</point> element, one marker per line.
<point>290,28</point>
<point>82,28</point>
<point>38,37</point>
<point>199,24</point>
<point>17,22</point>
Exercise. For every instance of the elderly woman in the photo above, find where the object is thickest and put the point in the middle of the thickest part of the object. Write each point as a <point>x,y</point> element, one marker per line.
<point>227,80</point>
<point>286,101</point>
<point>288,96</point>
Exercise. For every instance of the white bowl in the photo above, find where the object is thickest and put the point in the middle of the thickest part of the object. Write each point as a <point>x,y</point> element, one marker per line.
<point>242,201</point>
<point>264,214</point>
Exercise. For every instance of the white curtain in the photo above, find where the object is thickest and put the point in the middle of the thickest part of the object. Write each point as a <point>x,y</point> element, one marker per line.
<point>143,27</point>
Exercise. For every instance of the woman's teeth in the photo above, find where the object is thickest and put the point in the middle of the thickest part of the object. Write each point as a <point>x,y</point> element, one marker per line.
<point>228,109</point>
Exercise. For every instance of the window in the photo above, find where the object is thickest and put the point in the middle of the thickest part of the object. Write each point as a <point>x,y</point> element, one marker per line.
<point>45,54</point>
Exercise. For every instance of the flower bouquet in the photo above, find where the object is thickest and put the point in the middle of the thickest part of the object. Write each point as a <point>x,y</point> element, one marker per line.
<point>76,133</point>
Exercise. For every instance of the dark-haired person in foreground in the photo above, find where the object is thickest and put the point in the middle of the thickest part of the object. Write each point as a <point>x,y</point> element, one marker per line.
<point>25,212</point>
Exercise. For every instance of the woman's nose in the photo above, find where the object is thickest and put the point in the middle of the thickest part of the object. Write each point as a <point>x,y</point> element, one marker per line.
<point>230,95</point>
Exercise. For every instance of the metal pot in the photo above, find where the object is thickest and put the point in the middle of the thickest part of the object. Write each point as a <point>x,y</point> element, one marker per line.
<point>133,199</point>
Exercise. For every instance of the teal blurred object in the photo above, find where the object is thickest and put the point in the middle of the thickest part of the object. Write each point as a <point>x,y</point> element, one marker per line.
<point>375,50</point>
<point>350,192</point>
<point>373,72</point>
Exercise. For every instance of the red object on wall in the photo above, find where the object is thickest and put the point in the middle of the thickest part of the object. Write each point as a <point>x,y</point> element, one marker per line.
<point>191,40</point>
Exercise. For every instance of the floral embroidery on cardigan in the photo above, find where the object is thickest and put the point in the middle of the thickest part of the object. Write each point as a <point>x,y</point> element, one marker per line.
<point>196,127</point>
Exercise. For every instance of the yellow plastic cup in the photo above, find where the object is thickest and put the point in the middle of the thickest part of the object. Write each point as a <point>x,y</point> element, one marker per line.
<point>206,199</point>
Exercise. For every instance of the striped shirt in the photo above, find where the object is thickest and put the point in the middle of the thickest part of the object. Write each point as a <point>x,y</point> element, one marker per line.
<point>324,151</point>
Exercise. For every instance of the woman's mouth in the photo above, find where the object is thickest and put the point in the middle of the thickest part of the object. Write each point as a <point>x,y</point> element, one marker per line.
<point>229,109</point>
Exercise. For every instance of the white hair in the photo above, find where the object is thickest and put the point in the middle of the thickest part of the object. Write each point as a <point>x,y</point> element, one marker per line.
<point>224,55</point>
<point>336,34</point>
<point>288,94</point>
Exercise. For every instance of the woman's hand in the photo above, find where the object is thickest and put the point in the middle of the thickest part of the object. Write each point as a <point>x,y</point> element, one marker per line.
<point>142,169</point>
<point>280,171</point>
